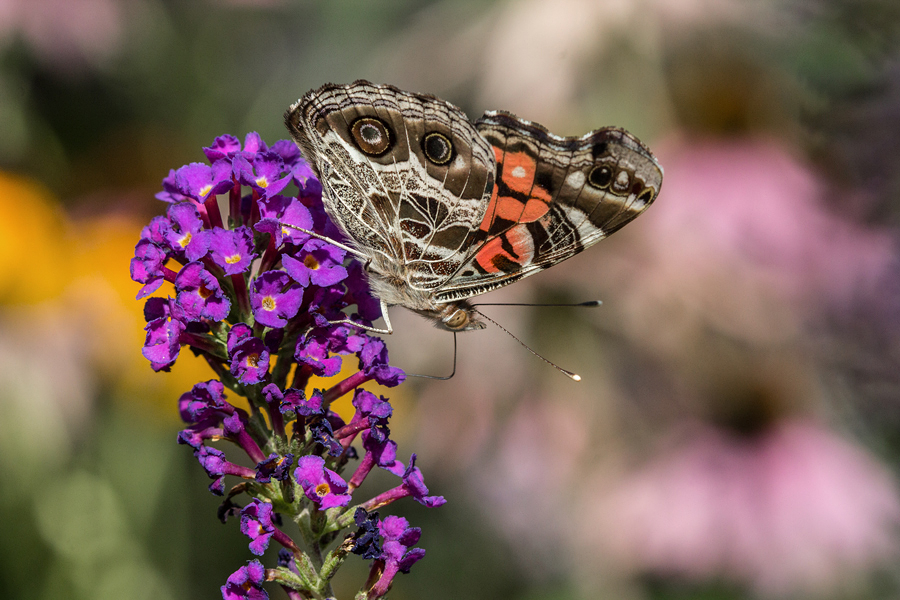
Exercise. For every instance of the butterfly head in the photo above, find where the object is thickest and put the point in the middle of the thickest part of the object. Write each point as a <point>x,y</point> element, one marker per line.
<point>454,316</point>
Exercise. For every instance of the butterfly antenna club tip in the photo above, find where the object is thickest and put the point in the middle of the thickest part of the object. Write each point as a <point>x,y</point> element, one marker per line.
<point>569,374</point>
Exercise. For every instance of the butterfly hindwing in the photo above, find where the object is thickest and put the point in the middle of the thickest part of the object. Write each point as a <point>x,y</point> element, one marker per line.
<point>553,197</point>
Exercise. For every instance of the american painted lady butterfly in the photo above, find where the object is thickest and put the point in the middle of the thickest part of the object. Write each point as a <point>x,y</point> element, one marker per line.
<point>441,209</point>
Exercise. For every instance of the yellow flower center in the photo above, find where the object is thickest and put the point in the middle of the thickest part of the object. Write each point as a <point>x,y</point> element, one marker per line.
<point>204,292</point>
<point>233,259</point>
<point>311,262</point>
<point>262,182</point>
<point>322,490</point>
<point>183,242</point>
<point>268,303</point>
<point>205,190</point>
<point>253,361</point>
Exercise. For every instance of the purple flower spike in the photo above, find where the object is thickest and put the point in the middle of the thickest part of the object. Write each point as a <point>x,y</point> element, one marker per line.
<point>319,263</point>
<point>256,523</point>
<point>186,233</point>
<point>199,294</point>
<point>323,486</point>
<point>232,249</point>
<point>246,583</point>
<point>275,299</point>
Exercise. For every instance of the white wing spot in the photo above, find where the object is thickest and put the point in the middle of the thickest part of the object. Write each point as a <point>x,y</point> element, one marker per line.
<point>575,180</point>
<point>518,172</point>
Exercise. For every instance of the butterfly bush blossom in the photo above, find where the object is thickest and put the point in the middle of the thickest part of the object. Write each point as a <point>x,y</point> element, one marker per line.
<point>258,299</point>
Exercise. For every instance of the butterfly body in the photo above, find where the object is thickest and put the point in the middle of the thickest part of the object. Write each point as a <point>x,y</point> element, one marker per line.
<point>441,209</point>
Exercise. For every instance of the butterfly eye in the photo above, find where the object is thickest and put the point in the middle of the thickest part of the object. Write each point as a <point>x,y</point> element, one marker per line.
<point>457,320</point>
<point>600,176</point>
<point>437,148</point>
<point>371,136</point>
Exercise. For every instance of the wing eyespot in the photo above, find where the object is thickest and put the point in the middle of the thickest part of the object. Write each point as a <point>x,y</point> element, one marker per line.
<point>438,148</point>
<point>371,136</point>
<point>646,195</point>
<point>600,176</point>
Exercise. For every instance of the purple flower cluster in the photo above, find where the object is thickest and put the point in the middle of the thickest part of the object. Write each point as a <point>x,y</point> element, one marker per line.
<point>258,299</point>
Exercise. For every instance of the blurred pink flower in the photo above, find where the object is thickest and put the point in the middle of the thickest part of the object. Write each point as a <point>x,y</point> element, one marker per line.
<point>751,199</point>
<point>793,509</point>
<point>67,33</point>
<point>739,241</point>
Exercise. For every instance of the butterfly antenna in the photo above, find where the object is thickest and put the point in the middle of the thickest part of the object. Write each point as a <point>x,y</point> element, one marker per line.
<point>435,376</point>
<point>569,304</point>
<point>569,374</point>
<point>331,241</point>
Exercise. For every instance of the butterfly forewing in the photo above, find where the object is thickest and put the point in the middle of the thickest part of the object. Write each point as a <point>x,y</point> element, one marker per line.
<point>553,197</point>
<point>416,212</point>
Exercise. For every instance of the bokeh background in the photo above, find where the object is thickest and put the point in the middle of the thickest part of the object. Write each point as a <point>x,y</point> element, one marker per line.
<point>737,430</point>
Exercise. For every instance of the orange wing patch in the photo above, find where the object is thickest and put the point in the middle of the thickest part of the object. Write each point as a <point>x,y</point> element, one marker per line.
<point>507,252</point>
<point>527,201</point>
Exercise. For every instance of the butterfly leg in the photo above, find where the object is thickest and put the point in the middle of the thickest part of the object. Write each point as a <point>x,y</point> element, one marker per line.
<point>384,313</point>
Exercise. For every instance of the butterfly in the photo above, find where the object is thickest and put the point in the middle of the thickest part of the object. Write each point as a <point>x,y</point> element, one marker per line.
<point>441,209</point>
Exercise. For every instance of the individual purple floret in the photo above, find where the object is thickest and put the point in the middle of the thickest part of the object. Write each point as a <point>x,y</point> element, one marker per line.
<point>224,146</point>
<point>250,361</point>
<point>199,294</point>
<point>275,467</point>
<point>413,486</point>
<point>231,250</point>
<point>321,485</point>
<point>217,467</point>
<point>205,402</point>
<point>263,173</point>
<point>246,583</point>
<point>397,555</point>
<point>163,342</point>
<point>274,298</point>
<point>277,213</point>
<point>186,232</point>
<point>367,539</point>
<point>198,181</point>
<point>318,263</point>
<point>148,266</point>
